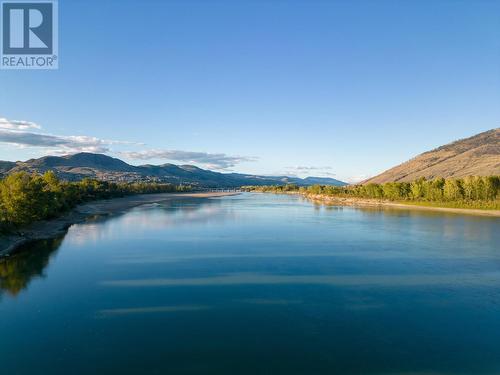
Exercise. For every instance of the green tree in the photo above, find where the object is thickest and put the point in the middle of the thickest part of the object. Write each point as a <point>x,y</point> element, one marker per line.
<point>418,188</point>
<point>453,190</point>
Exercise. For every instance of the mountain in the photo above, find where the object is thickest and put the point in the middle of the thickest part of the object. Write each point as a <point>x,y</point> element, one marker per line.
<point>5,166</point>
<point>84,159</point>
<point>81,165</point>
<point>478,155</point>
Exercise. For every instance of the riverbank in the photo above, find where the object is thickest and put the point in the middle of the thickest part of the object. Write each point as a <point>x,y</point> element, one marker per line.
<point>365,202</point>
<point>58,226</point>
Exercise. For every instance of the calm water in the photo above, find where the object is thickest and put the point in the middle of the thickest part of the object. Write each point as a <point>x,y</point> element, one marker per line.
<point>256,284</point>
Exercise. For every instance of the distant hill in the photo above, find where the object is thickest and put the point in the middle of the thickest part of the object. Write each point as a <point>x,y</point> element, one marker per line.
<point>81,165</point>
<point>478,155</point>
<point>5,166</point>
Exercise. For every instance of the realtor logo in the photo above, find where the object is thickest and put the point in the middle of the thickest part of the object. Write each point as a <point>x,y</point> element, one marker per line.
<point>29,35</point>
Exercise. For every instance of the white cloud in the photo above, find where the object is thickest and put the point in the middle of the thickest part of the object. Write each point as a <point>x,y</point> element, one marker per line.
<point>357,178</point>
<point>59,144</point>
<point>17,125</point>
<point>21,134</point>
<point>212,161</point>
<point>310,170</point>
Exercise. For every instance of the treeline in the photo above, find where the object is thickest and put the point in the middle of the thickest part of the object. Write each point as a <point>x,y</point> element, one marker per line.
<point>471,191</point>
<point>26,198</point>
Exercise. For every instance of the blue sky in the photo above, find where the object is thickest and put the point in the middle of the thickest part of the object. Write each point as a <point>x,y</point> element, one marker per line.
<point>344,89</point>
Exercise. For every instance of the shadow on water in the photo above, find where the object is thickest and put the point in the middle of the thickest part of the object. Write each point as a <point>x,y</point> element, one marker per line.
<point>29,262</point>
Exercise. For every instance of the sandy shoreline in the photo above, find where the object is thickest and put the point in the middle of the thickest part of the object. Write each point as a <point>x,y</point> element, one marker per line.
<point>52,228</point>
<point>361,202</point>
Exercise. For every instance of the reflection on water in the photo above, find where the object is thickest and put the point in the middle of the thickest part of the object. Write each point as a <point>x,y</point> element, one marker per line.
<point>29,262</point>
<point>149,310</point>
<point>257,284</point>
<point>397,281</point>
<point>151,217</point>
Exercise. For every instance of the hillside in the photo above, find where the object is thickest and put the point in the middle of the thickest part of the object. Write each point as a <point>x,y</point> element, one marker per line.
<point>478,155</point>
<point>81,165</point>
<point>5,166</point>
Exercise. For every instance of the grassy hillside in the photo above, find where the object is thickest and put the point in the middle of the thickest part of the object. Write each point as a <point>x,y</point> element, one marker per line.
<point>475,156</point>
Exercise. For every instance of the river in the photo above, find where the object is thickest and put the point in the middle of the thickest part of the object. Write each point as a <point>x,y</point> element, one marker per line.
<point>256,284</point>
